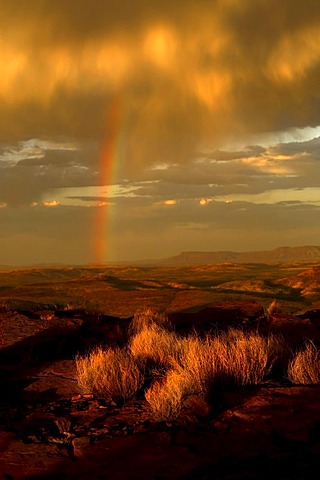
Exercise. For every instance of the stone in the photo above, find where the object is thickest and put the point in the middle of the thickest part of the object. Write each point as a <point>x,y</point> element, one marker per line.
<point>81,445</point>
<point>63,424</point>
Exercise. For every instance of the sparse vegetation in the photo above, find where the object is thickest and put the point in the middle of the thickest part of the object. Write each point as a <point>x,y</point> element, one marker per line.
<point>166,397</point>
<point>110,372</point>
<point>248,358</point>
<point>147,318</point>
<point>272,308</point>
<point>304,368</point>
<point>154,347</point>
<point>120,291</point>
<point>199,362</point>
<point>172,368</point>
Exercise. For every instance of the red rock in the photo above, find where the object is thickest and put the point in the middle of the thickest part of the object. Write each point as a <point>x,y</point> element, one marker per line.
<point>197,405</point>
<point>81,445</point>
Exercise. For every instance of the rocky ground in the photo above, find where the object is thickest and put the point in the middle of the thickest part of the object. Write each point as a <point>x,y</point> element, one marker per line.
<point>48,430</point>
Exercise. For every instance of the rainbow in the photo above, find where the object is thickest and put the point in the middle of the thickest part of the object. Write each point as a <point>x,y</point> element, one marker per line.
<point>112,153</point>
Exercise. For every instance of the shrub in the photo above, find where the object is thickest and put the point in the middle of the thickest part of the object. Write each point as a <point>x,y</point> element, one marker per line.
<point>272,309</point>
<point>148,318</point>
<point>247,358</point>
<point>198,360</point>
<point>304,368</point>
<point>166,397</point>
<point>187,366</point>
<point>153,346</point>
<point>110,372</point>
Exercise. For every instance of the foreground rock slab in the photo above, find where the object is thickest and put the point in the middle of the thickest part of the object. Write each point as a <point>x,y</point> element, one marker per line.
<point>270,432</point>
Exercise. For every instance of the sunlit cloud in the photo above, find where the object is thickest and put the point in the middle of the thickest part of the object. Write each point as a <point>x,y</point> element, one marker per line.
<point>53,203</point>
<point>170,202</point>
<point>205,201</point>
<point>160,46</point>
<point>295,55</point>
<point>306,196</point>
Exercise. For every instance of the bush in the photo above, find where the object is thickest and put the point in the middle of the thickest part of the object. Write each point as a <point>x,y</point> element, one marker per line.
<point>109,372</point>
<point>272,309</point>
<point>166,397</point>
<point>197,359</point>
<point>304,368</point>
<point>187,366</point>
<point>149,318</point>
<point>247,358</point>
<point>154,347</point>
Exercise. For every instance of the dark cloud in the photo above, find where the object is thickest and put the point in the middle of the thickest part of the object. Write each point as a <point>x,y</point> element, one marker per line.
<point>216,216</point>
<point>311,147</point>
<point>26,180</point>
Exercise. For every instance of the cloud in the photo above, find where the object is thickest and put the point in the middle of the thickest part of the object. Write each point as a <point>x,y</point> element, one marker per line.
<point>190,104</point>
<point>28,170</point>
<point>53,203</point>
<point>188,74</point>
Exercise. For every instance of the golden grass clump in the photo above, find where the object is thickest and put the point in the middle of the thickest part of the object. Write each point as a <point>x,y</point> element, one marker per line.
<point>247,358</point>
<point>230,358</point>
<point>272,309</point>
<point>166,397</point>
<point>304,368</point>
<point>188,366</point>
<point>154,345</point>
<point>202,365</point>
<point>110,372</point>
<point>197,360</point>
<point>148,318</point>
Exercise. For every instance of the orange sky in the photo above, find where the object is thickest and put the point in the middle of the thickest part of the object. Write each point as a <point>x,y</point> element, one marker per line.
<point>218,139</point>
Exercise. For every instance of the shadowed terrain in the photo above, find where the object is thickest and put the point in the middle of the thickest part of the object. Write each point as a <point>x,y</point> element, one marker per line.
<point>122,290</point>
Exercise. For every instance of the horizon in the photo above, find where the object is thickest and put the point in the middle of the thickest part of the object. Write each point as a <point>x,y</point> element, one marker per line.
<point>136,130</point>
<point>140,262</point>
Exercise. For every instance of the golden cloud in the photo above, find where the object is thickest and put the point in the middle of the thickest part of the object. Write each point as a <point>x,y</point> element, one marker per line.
<point>189,74</point>
<point>295,55</point>
<point>52,203</point>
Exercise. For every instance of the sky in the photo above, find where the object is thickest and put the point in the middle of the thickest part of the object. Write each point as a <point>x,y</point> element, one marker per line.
<point>136,129</point>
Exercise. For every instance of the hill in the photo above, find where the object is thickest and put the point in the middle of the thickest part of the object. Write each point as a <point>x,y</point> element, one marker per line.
<point>280,254</point>
<point>308,282</point>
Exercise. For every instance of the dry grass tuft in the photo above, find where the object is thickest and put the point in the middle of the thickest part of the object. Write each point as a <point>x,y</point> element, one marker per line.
<point>197,360</point>
<point>304,368</point>
<point>110,372</point>
<point>148,318</point>
<point>154,346</point>
<point>272,309</point>
<point>247,358</point>
<point>187,366</point>
<point>166,397</point>
<point>202,365</point>
<point>230,358</point>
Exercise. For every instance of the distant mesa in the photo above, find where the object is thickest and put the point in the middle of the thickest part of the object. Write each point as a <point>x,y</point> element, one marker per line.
<point>278,255</point>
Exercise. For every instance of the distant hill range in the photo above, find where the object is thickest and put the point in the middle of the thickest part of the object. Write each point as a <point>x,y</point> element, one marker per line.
<point>278,255</point>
